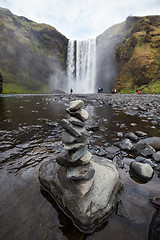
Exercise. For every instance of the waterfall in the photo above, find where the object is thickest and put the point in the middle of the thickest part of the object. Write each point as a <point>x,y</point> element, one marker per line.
<point>81,66</point>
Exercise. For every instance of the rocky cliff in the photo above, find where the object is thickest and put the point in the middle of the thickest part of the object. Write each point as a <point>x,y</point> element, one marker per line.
<point>128,55</point>
<point>31,55</point>
<point>138,56</point>
<point>1,83</point>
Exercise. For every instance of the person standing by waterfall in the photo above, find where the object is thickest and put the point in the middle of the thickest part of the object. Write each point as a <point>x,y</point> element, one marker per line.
<point>71,91</point>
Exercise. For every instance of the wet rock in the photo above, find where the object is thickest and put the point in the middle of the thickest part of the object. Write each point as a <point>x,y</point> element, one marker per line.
<point>125,144</point>
<point>156,156</point>
<point>80,114</point>
<point>143,171</point>
<point>92,128</point>
<point>86,158</point>
<point>156,202</point>
<point>154,229</point>
<point>120,134</point>
<point>90,210</point>
<point>143,149</point>
<point>101,152</point>
<point>133,214</point>
<point>141,134</point>
<point>72,158</point>
<point>131,136</point>
<point>74,130</point>
<point>111,151</point>
<point>75,105</point>
<point>74,146</point>
<point>69,138</point>
<point>152,141</point>
<point>76,121</point>
<point>80,172</point>
<point>145,160</point>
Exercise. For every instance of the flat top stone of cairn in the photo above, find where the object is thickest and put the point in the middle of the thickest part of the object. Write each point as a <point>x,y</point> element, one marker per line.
<point>75,105</point>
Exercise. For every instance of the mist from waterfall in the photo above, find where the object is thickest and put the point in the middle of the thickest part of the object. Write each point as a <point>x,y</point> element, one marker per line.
<point>81,66</point>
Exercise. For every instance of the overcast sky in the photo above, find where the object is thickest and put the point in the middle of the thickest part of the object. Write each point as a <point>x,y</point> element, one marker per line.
<point>81,19</point>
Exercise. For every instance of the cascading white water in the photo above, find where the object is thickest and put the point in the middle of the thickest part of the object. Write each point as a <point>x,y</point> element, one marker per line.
<point>81,65</point>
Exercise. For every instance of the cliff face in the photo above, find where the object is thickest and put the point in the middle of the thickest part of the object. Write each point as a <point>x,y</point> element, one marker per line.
<point>107,65</point>
<point>128,56</point>
<point>138,56</point>
<point>1,83</point>
<point>31,54</point>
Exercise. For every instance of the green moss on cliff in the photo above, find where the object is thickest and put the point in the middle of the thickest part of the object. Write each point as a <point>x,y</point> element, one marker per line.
<point>30,52</point>
<point>139,57</point>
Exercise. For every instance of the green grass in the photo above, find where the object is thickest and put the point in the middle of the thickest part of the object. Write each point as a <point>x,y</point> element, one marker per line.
<point>11,88</point>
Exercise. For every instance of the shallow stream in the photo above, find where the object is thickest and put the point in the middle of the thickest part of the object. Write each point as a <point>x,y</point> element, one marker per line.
<point>30,134</point>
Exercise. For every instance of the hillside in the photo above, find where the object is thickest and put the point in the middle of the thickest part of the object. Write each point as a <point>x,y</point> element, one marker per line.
<point>138,56</point>
<point>32,55</point>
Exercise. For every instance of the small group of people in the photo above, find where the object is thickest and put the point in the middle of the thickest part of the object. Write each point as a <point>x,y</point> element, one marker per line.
<point>100,90</point>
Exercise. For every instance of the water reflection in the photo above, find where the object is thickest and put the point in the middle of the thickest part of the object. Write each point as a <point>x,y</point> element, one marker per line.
<point>30,134</point>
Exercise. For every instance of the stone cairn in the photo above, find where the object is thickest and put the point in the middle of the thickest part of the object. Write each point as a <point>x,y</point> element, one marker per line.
<point>84,186</point>
<point>75,156</point>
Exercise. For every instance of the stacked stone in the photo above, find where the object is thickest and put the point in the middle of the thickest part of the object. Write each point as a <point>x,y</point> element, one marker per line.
<point>75,157</point>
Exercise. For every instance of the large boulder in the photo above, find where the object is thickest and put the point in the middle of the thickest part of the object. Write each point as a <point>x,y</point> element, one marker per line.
<point>87,203</point>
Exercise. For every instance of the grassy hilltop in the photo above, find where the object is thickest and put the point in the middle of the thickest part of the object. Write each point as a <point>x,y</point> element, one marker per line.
<point>30,54</point>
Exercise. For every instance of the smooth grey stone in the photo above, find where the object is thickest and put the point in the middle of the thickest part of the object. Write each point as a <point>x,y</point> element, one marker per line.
<point>156,156</point>
<point>74,146</point>
<point>84,172</point>
<point>86,158</point>
<point>86,211</point>
<point>75,155</point>
<point>131,136</point>
<point>75,105</point>
<point>125,144</point>
<point>143,149</point>
<point>76,121</point>
<point>69,138</point>
<point>67,159</point>
<point>141,134</point>
<point>152,141</point>
<point>143,171</point>
<point>74,130</point>
<point>80,114</point>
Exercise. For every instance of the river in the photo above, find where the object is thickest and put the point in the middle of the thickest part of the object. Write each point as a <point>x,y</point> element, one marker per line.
<point>30,133</point>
